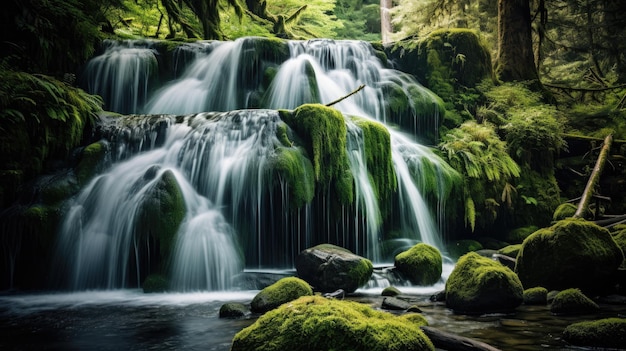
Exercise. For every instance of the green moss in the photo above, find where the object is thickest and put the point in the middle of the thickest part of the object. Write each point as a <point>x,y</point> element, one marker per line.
<point>297,171</point>
<point>511,250</point>
<point>379,161</point>
<point>571,253</point>
<point>572,301</point>
<point>362,272</point>
<point>283,291</point>
<point>155,283</point>
<point>536,296</point>
<point>233,310</point>
<point>479,285</point>
<point>620,240</point>
<point>315,323</point>
<point>415,318</point>
<point>91,159</point>
<point>323,131</point>
<point>563,211</point>
<point>162,212</point>
<point>605,333</point>
<point>422,264</point>
<point>390,291</point>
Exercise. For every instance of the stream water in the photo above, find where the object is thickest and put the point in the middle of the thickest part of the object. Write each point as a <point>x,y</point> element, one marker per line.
<point>132,320</point>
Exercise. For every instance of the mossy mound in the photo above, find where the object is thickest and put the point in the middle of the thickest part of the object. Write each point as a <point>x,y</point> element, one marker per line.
<point>390,291</point>
<point>536,296</point>
<point>480,285</point>
<point>323,131</point>
<point>422,264</point>
<point>571,253</point>
<point>563,211</point>
<point>315,323</point>
<point>233,310</point>
<point>162,211</point>
<point>284,290</point>
<point>606,333</point>
<point>620,240</point>
<point>329,268</point>
<point>91,161</point>
<point>572,301</point>
<point>511,250</point>
<point>155,283</point>
<point>296,170</point>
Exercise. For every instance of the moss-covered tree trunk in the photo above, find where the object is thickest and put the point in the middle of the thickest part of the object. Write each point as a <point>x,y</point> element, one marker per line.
<point>594,178</point>
<point>515,61</point>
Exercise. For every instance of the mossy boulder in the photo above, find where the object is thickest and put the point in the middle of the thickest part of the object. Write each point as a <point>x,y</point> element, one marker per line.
<point>233,310</point>
<point>620,240</point>
<point>536,296</point>
<point>162,211</point>
<point>295,169</point>
<point>511,250</point>
<point>155,283</point>
<point>480,285</point>
<point>563,211</point>
<point>314,323</point>
<point>390,291</point>
<point>329,268</point>
<point>91,161</point>
<point>323,132</point>
<point>571,253</point>
<point>605,333</point>
<point>572,301</point>
<point>284,290</point>
<point>422,264</point>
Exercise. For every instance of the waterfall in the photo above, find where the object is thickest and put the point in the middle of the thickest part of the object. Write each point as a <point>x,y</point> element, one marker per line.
<point>237,210</point>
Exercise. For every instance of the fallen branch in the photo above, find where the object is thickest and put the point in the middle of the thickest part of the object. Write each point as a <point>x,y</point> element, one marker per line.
<point>449,341</point>
<point>594,178</point>
<point>347,96</point>
<point>562,87</point>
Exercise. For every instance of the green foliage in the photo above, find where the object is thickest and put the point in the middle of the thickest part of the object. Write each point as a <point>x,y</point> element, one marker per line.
<point>360,19</point>
<point>603,333</point>
<point>475,151</point>
<point>316,323</point>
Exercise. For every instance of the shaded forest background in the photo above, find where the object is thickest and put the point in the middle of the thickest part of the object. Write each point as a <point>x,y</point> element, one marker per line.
<point>524,139</point>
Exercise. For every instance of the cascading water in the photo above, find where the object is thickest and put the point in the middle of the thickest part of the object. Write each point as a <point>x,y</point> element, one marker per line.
<point>236,206</point>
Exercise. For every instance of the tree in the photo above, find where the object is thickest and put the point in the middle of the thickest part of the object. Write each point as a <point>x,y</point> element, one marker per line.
<point>515,58</point>
<point>207,13</point>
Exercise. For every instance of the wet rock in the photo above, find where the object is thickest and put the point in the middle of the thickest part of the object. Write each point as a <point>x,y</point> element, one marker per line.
<point>393,303</point>
<point>329,268</point>
<point>604,333</point>
<point>233,310</point>
<point>480,285</point>
<point>421,264</point>
<point>390,291</point>
<point>536,296</point>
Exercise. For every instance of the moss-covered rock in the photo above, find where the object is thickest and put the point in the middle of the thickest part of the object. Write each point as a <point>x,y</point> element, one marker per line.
<point>390,291</point>
<point>620,240</point>
<point>511,250</point>
<point>284,290</point>
<point>233,310</point>
<point>605,333</point>
<point>296,170</point>
<point>572,301</point>
<point>323,131</point>
<point>155,283</point>
<point>91,160</point>
<point>161,212</point>
<point>422,264</point>
<point>563,211</point>
<point>536,296</point>
<point>329,268</point>
<point>480,285</point>
<point>315,323</point>
<point>571,253</point>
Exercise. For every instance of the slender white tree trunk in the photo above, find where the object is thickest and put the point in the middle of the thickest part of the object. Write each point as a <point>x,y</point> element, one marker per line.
<point>385,20</point>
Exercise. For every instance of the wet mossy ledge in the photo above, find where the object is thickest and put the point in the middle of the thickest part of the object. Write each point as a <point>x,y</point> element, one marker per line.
<point>314,323</point>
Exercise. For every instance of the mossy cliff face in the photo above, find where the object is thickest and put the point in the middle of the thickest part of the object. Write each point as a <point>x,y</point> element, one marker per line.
<point>283,291</point>
<point>573,253</point>
<point>315,323</point>
<point>422,264</point>
<point>480,285</point>
<point>323,132</point>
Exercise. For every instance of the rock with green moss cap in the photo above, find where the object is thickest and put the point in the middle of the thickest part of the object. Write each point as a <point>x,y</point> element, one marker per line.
<point>605,333</point>
<point>315,323</point>
<point>536,296</point>
<point>233,310</point>
<point>284,290</point>
<point>480,285</point>
<point>390,291</point>
<point>572,301</point>
<point>329,268</point>
<point>422,264</point>
<point>563,211</point>
<point>91,161</point>
<point>573,253</point>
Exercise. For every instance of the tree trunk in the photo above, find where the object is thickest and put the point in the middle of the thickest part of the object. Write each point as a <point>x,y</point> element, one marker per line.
<point>385,20</point>
<point>515,61</point>
<point>449,341</point>
<point>594,178</point>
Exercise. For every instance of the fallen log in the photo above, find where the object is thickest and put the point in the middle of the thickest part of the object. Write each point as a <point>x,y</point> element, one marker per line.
<point>453,342</point>
<point>594,178</point>
<point>347,96</point>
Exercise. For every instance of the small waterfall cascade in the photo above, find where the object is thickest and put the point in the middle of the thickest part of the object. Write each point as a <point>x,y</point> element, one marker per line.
<point>237,205</point>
